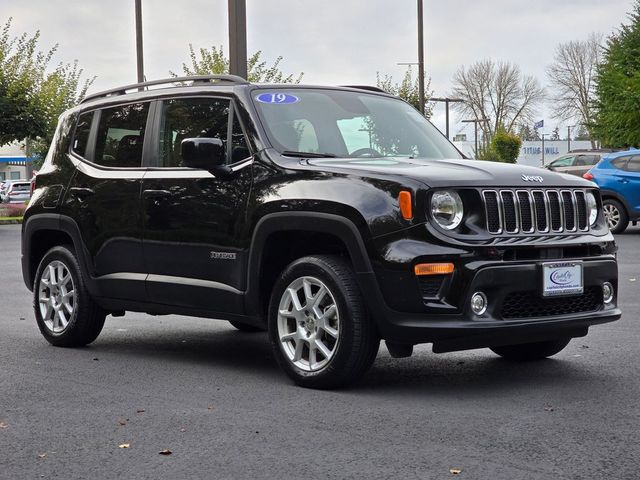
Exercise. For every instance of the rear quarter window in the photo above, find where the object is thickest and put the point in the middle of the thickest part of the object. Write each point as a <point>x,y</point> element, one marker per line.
<point>81,136</point>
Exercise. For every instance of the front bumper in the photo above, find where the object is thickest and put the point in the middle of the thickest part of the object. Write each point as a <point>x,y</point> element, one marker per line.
<point>452,326</point>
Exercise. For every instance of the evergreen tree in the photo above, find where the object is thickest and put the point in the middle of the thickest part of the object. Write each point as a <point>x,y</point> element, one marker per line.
<point>618,90</point>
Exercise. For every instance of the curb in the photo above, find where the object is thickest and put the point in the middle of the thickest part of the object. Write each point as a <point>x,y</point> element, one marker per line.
<point>10,221</point>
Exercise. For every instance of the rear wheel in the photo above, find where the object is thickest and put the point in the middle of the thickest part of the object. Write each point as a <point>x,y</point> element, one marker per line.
<point>531,351</point>
<point>319,328</point>
<point>616,215</point>
<point>66,314</point>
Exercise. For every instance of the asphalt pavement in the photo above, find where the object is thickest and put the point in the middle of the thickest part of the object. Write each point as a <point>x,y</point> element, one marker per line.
<point>216,400</point>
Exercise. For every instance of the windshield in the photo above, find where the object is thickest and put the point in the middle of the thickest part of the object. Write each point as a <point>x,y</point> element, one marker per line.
<point>347,124</point>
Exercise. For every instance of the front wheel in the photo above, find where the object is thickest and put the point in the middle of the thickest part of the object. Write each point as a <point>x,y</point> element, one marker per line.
<point>616,215</point>
<point>65,312</point>
<point>531,351</point>
<point>319,327</point>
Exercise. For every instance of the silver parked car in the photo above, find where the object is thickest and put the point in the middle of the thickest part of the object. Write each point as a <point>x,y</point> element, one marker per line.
<point>16,191</point>
<point>575,163</point>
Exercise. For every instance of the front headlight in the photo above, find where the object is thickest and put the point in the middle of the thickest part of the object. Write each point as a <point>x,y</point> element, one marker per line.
<point>447,209</point>
<point>592,207</point>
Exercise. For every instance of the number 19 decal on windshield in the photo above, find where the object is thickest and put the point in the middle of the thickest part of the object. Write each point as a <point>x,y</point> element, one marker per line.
<point>277,98</point>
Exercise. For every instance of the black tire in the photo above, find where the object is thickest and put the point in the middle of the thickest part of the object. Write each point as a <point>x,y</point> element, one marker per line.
<point>531,351</point>
<point>87,318</point>
<point>357,345</point>
<point>243,327</point>
<point>616,206</point>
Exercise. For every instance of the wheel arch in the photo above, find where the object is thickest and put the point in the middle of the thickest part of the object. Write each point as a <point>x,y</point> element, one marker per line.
<point>44,231</point>
<point>323,233</point>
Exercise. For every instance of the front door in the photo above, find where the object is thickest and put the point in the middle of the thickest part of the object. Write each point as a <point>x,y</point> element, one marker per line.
<point>194,248</point>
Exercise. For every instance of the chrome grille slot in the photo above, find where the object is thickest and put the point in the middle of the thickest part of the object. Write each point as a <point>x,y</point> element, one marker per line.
<point>535,211</point>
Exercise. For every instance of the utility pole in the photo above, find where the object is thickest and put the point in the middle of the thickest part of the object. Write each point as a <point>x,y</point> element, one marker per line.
<point>543,135</point>
<point>421,58</point>
<point>238,38</point>
<point>475,122</point>
<point>447,101</point>
<point>139,49</point>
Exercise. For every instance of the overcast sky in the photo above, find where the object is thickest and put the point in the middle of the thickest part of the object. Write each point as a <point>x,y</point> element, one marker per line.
<point>332,41</point>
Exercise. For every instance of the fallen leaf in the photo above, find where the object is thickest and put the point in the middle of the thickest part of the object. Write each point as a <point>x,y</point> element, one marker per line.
<point>124,445</point>
<point>455,471</point>
<point>122,422</point>
<point>548,408</point>
<point>140,410</point>
<point>166,451</point>
<point>183,430</point>
<point>42,455</point>
<point>4,425</point>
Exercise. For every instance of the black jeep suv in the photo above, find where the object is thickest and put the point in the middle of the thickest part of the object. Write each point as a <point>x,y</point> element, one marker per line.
<point>332,217</point>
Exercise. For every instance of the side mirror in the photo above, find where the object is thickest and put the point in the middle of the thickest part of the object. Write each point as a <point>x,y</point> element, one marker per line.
<point>203,153</point>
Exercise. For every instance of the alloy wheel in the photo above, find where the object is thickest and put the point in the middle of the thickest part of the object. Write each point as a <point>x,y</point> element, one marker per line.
<point>308,324</point>
<point>56,297</point>
<point>612,214</point>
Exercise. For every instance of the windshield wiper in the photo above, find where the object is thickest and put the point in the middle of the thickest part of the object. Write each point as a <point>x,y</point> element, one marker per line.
<point>291,153</point>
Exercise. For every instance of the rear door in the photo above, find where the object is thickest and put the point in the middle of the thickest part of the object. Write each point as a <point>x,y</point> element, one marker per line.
<point>195,242</point>
<point>582,164</point>
<point>104,196</point>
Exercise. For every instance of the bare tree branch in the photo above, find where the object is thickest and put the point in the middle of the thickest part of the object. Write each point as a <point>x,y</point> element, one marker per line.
<point>499,92</point>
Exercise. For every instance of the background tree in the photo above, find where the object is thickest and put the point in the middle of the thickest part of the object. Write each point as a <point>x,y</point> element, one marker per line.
<point>555,135</point>
<point>617,122</point>
<point>408,90</point>
<point>32,97</point>
<point>527,133</point>
<point>213,61</point>
<point>572,77</point>
<point>503,147</point>
<point>497,91</point>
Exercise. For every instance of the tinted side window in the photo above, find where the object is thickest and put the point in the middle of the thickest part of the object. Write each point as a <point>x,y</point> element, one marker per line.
<point>190,118</point>
<point>121,135</point>
<point>634,164</point>
<point>620,162</point>
<point>81,138</point>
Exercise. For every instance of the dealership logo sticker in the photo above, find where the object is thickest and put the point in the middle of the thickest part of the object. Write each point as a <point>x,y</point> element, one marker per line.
<point>532,178</point>
<point>561,277</point>
<point>222,255</point>
<point>277,98</point>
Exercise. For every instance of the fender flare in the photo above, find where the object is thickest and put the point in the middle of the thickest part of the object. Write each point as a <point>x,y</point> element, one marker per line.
<point>616,196</point>
<point>336,225</point>
<point>60,223</point>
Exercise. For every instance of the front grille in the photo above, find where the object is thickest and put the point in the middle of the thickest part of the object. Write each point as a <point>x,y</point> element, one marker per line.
<point>535,211</point>
<point>530,304</point>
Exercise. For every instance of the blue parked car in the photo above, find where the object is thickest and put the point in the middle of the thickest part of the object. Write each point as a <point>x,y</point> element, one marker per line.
<point>618,176</point>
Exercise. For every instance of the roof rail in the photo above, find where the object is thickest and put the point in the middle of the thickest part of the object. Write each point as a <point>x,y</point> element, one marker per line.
<point>195,79</point>
<point>367,87</point>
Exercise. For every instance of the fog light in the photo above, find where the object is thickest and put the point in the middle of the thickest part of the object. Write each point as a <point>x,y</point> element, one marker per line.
<point>478,303</point>
<point>607,292</point>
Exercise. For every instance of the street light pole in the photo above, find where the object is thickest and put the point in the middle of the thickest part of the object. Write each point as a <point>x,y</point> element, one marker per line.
<point>238,38</point>
<point>569,127</point>
<point>421,58</point>
<point>543,135</point>
<point>476,121</point>
<point>447,101</point>
<point>139,49</point>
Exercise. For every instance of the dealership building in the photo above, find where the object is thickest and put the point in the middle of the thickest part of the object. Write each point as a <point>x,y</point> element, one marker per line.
<point>13,162</point>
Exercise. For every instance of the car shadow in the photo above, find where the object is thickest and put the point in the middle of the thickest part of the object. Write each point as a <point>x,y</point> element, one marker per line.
<point>477,373</point>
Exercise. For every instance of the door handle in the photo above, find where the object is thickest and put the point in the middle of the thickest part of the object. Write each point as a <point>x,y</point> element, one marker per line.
<point>623,180</point>
<point>81,192</point>
<point>156,193</point>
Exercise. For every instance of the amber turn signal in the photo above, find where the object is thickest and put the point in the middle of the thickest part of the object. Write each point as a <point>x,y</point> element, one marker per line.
<point>404,199</point>
<point>433,269</point>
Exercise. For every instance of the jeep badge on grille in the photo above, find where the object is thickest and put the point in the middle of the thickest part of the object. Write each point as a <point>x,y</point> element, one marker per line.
<point>532,178</point>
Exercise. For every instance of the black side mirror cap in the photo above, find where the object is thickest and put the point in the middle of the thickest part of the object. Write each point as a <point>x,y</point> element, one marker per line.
<point>203,153</point>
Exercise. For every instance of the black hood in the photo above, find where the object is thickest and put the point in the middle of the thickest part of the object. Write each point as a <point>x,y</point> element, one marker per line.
<point>454,173</point>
